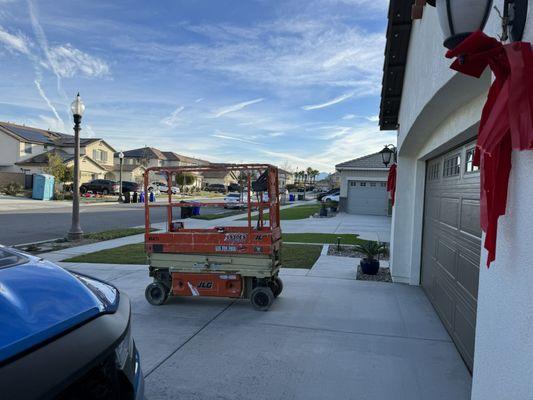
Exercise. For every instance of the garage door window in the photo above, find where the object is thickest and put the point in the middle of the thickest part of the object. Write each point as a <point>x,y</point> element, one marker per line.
<point>373,184</point>
<point>452,166</point>
<point>363,183</point>
<point>469,166</point>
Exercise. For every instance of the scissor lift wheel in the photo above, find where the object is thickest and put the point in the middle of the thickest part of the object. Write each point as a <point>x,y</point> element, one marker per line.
<point>262,298</point>
<point>156,293</point>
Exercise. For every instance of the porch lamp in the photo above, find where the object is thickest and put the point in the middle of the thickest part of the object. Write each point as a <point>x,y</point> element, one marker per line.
<point>458,19</point>
<point>121,160</point>
<point>75,233</point>
<point>387,153</point>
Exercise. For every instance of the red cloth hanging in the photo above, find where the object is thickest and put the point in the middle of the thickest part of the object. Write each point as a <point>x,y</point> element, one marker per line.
<point>391,182</point>
<point>506,121</point>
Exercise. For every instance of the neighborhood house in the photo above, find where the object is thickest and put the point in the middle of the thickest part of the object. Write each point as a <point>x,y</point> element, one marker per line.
<point>363,186</point>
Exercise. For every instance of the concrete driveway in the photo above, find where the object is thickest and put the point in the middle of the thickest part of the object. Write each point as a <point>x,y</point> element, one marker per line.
<point>324,338</point>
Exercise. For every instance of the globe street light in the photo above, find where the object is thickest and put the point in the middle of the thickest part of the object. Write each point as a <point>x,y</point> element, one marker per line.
<point>77,107</point>
<point>121,159</point>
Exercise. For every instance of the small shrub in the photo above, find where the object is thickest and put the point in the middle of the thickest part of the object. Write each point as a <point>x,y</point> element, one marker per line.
<point>12,189</point>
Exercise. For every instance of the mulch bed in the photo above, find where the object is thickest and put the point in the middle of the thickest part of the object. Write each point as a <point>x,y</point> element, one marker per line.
<point>383,275</point>
<point>348,251</point>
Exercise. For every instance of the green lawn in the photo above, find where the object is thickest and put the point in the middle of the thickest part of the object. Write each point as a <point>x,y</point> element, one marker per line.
<point>292,256</point>
<point>326,238</point>
<point>128,254</point>
<point>113,234</point>
<point>298,212</point>
<point>299,255</point>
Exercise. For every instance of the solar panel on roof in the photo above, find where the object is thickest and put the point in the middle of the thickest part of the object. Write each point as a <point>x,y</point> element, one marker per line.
<point>29,134</point>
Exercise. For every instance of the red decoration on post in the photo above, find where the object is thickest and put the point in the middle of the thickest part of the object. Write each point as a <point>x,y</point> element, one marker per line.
<point>506,121</point>
<point>391,182</point>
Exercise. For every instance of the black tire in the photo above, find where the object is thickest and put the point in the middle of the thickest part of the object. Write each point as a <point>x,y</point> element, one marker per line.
<point>156,293</point>
<point>276,285</point>
<point>262,298</point>
<point>105,192</point>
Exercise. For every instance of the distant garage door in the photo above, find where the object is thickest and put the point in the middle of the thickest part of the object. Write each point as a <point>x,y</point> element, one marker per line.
<point>367,197</point>
<point>451,244</point>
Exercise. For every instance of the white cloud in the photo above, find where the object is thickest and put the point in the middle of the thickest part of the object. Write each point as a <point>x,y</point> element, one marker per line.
<point>373,118</point>
<point>173,119</point>
<point>329,103</point>
<point>18,43</point>
<point>276,134</point>
<point>223,135</point>
<point>199,100</point>
<point>68,61</point>
<point>48,102</point>
<point>235,107</point>
<point>348,116</point>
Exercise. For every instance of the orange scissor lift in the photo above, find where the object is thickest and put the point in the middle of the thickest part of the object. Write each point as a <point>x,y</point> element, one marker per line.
<point>223,261</point>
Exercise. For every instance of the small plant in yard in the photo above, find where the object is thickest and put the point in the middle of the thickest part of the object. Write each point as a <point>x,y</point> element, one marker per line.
<point>371,250</point>
<point>12,189</point>
<point>333,205</point>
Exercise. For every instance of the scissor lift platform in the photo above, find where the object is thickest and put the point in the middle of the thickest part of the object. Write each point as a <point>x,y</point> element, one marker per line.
<point>234,261</point>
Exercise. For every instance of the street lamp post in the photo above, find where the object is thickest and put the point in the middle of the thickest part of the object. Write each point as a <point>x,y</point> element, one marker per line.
<point>121,160</point>
<point>75,233</point>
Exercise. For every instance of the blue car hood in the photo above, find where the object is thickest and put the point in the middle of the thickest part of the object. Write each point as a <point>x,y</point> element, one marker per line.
<point>38,301</point>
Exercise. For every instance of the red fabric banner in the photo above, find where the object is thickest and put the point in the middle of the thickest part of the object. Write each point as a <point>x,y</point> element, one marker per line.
<point>506,121</point>
<point>391,182</point>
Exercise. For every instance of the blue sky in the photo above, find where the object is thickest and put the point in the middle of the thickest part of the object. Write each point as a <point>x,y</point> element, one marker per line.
<point>293,82</point>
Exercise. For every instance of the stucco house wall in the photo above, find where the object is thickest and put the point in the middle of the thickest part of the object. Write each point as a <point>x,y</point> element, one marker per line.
<point>438,112</point>
<point>9,153</point>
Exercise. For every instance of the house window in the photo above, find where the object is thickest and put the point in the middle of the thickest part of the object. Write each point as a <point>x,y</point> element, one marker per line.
<point>95,155</point>
<point>103,155</point>
<point>27,148</point>
<point>452,166</point>
<point>469,166</point>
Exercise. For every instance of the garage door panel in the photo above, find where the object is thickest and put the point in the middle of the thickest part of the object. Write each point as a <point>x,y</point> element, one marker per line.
<point>446,256</point>
<point>449,212</point>
<point>468,276</point>
<point>463,331</point>
<point>470,217</point>
<point>451,247</point>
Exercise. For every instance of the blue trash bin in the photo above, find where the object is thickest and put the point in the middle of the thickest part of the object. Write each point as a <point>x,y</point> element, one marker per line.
<point>196,210</point>
<point>152,197</point>
<point>141,197</point>
<point>291,197</point>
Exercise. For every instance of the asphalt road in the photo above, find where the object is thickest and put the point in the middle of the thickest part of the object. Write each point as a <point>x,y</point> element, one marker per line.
<point>27,226</point>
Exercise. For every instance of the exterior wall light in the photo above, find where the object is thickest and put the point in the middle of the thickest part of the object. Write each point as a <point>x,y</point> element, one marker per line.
<point>387,154</point>
<point>459,18</point>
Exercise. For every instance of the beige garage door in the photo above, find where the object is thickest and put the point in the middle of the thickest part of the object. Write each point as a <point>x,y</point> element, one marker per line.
<point>451,244</point>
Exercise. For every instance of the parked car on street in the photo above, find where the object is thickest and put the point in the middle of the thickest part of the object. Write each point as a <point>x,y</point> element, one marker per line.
<point>128,186</point>
<point>217,188</point>
<point>103,186</point>
<point>64,335</point>
<point>158,187</point>
<point>329,192</point>
<point>235,200</point>
<point>331,197</point>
